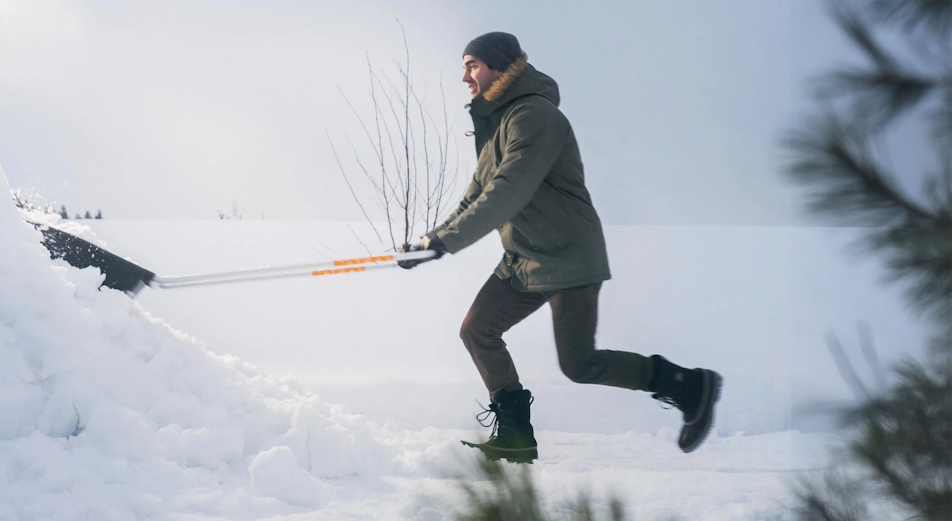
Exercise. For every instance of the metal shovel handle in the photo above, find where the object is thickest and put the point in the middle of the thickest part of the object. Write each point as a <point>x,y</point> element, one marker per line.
<point>337,267</point>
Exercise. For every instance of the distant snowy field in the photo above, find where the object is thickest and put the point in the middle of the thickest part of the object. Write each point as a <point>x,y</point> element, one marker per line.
<point>753,303</point>
<point>343,397</point>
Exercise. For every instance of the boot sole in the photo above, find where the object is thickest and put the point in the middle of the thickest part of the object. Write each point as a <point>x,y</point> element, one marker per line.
<point>706,419</point>
<point>511,455</point>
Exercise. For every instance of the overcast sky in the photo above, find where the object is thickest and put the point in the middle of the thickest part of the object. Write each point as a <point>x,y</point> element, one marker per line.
<point>174,109</point>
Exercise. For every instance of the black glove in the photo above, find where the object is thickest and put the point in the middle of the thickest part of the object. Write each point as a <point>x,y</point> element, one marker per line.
<point>429,242</point>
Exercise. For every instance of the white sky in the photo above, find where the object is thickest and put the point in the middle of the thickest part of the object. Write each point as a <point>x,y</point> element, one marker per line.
<point>175,109</point>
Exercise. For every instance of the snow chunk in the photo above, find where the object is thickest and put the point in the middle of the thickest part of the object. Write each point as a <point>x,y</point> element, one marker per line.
<point>275,473</point>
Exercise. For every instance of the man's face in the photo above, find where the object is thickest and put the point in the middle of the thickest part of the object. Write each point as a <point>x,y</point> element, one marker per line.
<point>478,75</point>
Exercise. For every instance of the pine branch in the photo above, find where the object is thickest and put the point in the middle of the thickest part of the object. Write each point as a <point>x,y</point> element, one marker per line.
<point>920,253</point>
<point>905,440</point>
<point>511,493</point>
<point>940,345</point>
<point>940,119</point>
<point>834,160</point>
<point>880,94</point>
<point>830,496</point>
<point>934,16</point>
<point>904,436</point>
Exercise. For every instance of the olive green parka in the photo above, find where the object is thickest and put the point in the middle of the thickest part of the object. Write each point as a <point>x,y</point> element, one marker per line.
<point>529,185</point>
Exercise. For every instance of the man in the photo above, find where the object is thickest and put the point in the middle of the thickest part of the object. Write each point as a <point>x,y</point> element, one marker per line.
<point>529,185</point>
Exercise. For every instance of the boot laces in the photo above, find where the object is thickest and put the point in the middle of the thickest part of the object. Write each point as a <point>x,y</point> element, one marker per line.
<point>669,400</point>
<point>490,416</point>
<point>674,401</point>
<point>679,395</point>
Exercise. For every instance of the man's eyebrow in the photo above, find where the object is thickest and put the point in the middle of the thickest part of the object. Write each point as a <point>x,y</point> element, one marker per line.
<point>468,63</point>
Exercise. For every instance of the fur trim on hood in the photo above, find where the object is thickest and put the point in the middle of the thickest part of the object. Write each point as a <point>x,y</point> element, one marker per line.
<point>498,87</point>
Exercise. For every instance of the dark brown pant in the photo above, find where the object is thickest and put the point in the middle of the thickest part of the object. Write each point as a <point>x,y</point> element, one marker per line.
<point>499,306</point>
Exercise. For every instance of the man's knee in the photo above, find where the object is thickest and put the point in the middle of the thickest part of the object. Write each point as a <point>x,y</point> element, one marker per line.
<point>466,330</point>
<point>474,329</point>
<point>583,371</point>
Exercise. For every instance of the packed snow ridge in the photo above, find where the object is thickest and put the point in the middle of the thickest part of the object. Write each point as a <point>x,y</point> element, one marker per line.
<point>114,414</point>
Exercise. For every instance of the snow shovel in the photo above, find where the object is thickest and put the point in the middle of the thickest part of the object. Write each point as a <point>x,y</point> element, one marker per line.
<point>130,278</point>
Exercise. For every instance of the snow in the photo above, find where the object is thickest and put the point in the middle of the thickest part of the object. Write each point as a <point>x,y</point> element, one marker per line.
<point>344,397</point>
<point>105,405</point>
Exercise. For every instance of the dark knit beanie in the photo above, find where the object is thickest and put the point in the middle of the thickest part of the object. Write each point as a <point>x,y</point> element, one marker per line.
<point>498,50</point>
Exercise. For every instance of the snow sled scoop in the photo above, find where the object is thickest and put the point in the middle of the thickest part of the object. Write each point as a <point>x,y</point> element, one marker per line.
<point>129,277</point>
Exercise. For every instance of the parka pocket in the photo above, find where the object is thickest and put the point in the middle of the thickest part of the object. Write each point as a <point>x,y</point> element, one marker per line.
<point>541,234</point>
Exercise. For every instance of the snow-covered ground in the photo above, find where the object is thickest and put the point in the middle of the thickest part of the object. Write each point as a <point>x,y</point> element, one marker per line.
<point>344,397</point>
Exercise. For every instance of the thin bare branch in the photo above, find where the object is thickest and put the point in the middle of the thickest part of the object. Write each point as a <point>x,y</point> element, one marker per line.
<point>359,119</point>
<point>847,371</point>
<point>393,149</point>
<point>363,169</point>
<point>870,354</point>
<point>384,178</point>
<point>354,232</point>
<point>407,140</point>
<point>413,175</point>
<point>347,180</point>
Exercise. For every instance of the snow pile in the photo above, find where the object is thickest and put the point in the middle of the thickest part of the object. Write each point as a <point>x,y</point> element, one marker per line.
<point>109,413</point>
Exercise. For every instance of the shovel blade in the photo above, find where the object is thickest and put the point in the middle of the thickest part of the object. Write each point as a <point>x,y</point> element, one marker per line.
<point>120,274</point>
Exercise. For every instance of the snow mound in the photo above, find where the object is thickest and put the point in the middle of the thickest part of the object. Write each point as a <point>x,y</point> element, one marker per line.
<point>109,413</point>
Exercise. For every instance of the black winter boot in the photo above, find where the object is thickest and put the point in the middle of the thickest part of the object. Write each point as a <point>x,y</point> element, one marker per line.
<point>693,391</point>
<point>512,437</point>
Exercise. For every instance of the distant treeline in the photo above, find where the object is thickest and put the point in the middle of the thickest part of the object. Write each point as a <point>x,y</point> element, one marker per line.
<point>22,202</point>
<point>65,215</point>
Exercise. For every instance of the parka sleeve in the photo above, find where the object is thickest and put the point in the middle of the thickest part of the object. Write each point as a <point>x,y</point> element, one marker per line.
<point>469,197</point>
<point>535,135</point>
